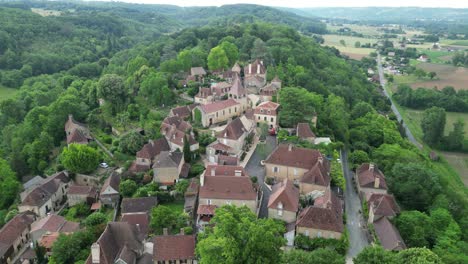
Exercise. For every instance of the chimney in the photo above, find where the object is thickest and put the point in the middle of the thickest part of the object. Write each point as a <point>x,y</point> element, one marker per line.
<point>377,182</point>
<point>151,142</point>
<point>202,179</point>
<point>250,68</point>
<point>95,253</point>
<point>371,167</point>
<point>237,173</point>
<point>182,232</point>
<point>290,146</point>
<point>213,172</point>
<point>70,117</point>
<point>320,159</point>
<point>138,228</point>
<point>258,69</point>
<point>261,62</point>
<point>165,232</point>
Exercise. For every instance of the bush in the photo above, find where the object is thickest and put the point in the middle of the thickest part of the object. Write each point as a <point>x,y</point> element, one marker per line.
<point>196,170</point>
<point>270,181</point>
<point>306,243</point>
<point>80,158</point>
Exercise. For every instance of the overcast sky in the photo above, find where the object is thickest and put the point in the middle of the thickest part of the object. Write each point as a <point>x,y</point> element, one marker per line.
<point>314,3</point>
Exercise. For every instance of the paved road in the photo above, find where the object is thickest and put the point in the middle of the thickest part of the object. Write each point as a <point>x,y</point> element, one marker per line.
<point>254,168</point>
<point>354,219</point>
<point>410,136</point>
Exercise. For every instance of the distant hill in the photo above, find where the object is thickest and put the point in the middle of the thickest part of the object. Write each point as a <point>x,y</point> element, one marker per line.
<point>386,14</point>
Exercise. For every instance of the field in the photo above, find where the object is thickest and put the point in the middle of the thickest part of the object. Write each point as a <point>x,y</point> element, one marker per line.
<point>459,161</point>
<point>436,56</point>
<point>349,49</point>
<point>363,29</point>
<point>7,93</point>
<point>455,42</point>
<point>447,75</point>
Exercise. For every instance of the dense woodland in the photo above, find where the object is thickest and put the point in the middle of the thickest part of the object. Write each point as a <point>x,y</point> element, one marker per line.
<point>92,54</point>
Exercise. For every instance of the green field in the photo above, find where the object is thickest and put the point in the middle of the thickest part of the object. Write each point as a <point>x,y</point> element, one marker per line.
<point>455,42</point>
<point>348,48</point>
<point>7,93</point>
<point>363,29</point>
<point>437,56</point>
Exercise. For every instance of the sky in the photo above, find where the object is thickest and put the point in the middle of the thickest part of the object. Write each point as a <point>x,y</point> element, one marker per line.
<point>313,3</point>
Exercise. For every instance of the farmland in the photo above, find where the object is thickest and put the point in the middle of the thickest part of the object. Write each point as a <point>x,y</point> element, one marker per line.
<point>7,93</point>
<point>349,49</point>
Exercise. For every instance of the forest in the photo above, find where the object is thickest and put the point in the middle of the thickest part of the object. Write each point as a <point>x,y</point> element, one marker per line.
<point>135,68</point>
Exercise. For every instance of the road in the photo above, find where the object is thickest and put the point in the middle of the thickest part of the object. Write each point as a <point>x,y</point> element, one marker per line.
<point>410,136</point>
<point>254,168</point>
<point>354,219</point>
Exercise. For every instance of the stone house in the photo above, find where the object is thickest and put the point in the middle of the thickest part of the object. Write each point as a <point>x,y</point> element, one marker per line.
<point>283,203</point>
<point>82,194</point>
<point>142,205</point>
<point>217,112</point>
<point>110,190</point>
<point>306,167</point>
<point>175,129</point>
<point>145,156</point>
<point>221,185</point>
<point>197,73</point>
<point>183,112</point>
<point>267,112</point>
<point>204,96</point>
<point>304,132</point>
<point>323,219</point>
<point>388,236</point>
<point>370,179</point>
<point>220,89</point>
<point>52,224</point>
<point>234,135</point>
<point>255,74</point>
<point>14,235</point>
<point>381,205</point>
<point>168,167</point>
<point>47,197</point>
<point>238,93</point>
<point>76,132</point>
<point>178,248</point>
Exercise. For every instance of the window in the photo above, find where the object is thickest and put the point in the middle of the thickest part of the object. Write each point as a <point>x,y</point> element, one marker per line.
<point>209,202</point>
<point>259,117</point>
<point>275,169</point>
<point>307,232</point>
<point>271,120</point>
<point>229,110</point>
<point>224,112</point>
<point>295,171</point>
<point>319,234</point>
<point>261,110</point>
<point>264,118</point>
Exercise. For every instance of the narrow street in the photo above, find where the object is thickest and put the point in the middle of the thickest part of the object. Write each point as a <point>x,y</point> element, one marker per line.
<point>354,219</point>
<point>254,168</point>
<point>410,136</point>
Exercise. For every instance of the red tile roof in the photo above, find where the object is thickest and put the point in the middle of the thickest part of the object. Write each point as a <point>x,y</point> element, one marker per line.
<point>137,167</point>
<point>76,136</point>
<point>224,170</point>
<point>197,71</point>
<point>237,88</point>
<point>267,108</point>
<point>304,131</point>
<point>368,173</point>
<point>219,105</point>
<point>294,157</point>
<point>204,93</point>
<point>329,218</point>
<point>227,160</point>
<point>175,247</point>
<point>48,240</point>
<point>138,205</point>
<point>142,220</point>
<point>55,223</point>
<point>383,204</point>
<point>285,193</point>
<point>388,235</point>
<point>90,191</point>
<point>113,181</point>
<point>204,209</point>
<point>183,111</point>
<point>13,229</point>
<point>177,122</point>
<point>228,187</point>
<point>318,174</point>
<point>153,148</point>
<point>42,193</point>
<point>219,146</point>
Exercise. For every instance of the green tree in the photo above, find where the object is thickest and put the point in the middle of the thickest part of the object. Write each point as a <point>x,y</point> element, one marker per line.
<point>95,219</point>
<point>80,158</point>
<point>415,228</point>
<point>318,256</point>
<point>414,185</point>
<point>231,50</point>
<point>357,44</point>
<point>420,73</point>
<point>238,236</point>
<point>72,248</point>
<point>40,253</point>
<point>433,124</point>
<point>336,117</point>
<point>432,75</point>
<point>418,255</point>
<point>358,157</point>
<point>155,89</point>
<point>112,89</point>
<point>374,255</point>
<point>343,42</point>
<point>131,142</point>
<point>9,185</point>
<point>186,150</point>
<point>217,59</point>
<point>128,188</point>
<point>260,51</point>
<point>297,105</point>
<point>162,217</point>
<point>361,109</point>
<point>456,137</point>
<point>135,64</point>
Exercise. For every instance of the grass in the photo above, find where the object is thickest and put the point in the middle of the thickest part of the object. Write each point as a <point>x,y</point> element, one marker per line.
<point>455,42</point>
<point>363,29</point>
<point>176,206</point>
<point>7,93</point>
<point>437,56</point>
<point>334,40</point>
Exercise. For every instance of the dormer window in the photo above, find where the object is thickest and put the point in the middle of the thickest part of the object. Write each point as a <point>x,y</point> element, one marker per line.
<point>280,209</point>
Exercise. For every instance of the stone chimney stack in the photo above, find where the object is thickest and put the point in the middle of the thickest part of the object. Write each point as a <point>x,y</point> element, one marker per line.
<point>377,183</point>
<point>258,69</point>
<point>371,167</point>
<point>250,68</point>
<point>95,253</point>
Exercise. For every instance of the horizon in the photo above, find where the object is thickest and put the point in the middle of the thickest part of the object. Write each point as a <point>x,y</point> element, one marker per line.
<point>455,4</point>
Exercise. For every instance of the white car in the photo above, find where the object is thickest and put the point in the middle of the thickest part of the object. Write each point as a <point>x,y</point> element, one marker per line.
<point>104,165</point>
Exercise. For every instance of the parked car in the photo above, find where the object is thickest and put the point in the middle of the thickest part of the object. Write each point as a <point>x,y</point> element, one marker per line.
<point>104,165</point>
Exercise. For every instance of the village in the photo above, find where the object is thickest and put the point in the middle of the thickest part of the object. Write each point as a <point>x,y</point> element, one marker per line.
<point>242,163</point>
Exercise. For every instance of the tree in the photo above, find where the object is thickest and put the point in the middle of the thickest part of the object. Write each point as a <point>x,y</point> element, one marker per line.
<point>361,109</point>
<point>260,51</point>
<point>343,42</point>
<point>181,186</point>
<point>217,59</point>
<point>358,157</point>
<point>239,237</point>
<point>456,137</point>
<point>418,255</point>
<point>415,228</point>
<point>72,248</point>
<point>40,253</point>
<point>432,125</point>
<point>374,255</point>
<point>162,217</point>
<point>80,158</point>
<point>95,219</point>
<point>131,142</point>
<point>432,75</point>
<point>135,64</point>
<point>297,104</point>
<point>231,50</point>
<point>9,185</point>
<point>414,185</point>
<point>186,150</point>
<point>357,44</point>
<point>128,188</point>
<point>420,73</point>
<point>112,89</point>
<point>155,88</point>
<point>318,256</point>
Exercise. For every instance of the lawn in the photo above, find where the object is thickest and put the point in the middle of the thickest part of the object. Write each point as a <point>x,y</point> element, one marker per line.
<point>437,56</point>
<point>7,93</point>
<point>175,206</point>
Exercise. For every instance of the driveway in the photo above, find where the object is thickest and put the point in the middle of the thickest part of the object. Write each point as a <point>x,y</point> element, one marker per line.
<point>254,168</point>
<point>354,219</point>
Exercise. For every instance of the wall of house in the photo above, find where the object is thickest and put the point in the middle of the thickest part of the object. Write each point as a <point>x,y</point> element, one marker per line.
<point>283,172</point>
<point>313,233</point>
<point>221,115</point>
<point>40,211</point>
<point>82,179</point>
<point>306,188</point>
<point>251,204</point>
<point>270,120</point>
<point>237,145</point>
<point>74,199</point>
<point>289,236</point>
<point>187,261</point>
<point>143,161</point>
<point>203,101</point>
<point>364,190</point>
<point>287,216</point>
<point>166,175</point>
<point>109,199</point>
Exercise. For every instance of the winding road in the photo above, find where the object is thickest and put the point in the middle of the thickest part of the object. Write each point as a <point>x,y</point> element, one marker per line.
<point>409,135</point>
